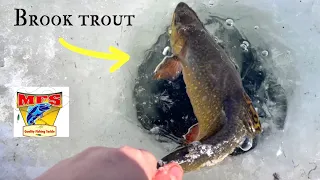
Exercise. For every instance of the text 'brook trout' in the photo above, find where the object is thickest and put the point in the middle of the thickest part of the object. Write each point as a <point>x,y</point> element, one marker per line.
<point>226,117</point>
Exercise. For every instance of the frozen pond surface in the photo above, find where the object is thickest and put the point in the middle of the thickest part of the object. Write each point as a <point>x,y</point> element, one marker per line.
<point>101,107</point>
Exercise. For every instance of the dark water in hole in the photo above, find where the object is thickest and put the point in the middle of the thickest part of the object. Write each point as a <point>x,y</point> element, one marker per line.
<point>165,104</point>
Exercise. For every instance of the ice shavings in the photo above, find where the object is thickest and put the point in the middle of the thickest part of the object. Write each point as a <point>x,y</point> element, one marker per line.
<point>195,151</point>
<point>155,130</point>
<point>164,100</point>
<point>279,152</point>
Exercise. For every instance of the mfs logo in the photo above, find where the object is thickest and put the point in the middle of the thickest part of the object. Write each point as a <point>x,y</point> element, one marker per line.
<point>41,112</point>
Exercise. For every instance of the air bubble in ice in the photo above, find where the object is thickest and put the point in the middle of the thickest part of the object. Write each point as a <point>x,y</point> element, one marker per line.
<point>265,53</point>
<point>211,2</point>
<point>155,130</point>
<point>256,27</point>
<point>246,43</point>
<point>244,47</point>
<point>26,57</point>
<point>229,22</point>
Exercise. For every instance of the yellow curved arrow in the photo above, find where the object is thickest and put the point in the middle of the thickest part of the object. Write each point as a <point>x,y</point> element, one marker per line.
<point>115,54</point>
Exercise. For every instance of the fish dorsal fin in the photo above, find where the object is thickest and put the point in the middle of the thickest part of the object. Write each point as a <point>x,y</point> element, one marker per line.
<point>253,122</point>
<point>169,68</point>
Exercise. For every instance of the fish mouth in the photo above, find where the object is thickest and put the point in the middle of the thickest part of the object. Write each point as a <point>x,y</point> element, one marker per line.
<point>192,157</point>
<point>182,5</point>
<point>184,15</point>
<point>182,19</point>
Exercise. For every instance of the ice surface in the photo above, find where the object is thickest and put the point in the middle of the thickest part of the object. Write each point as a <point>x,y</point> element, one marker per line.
<point>101,110</point>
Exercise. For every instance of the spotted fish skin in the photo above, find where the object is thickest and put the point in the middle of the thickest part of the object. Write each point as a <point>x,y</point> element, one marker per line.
<point>223,109</point>
<point>215,148</point>
<point>36,111</point>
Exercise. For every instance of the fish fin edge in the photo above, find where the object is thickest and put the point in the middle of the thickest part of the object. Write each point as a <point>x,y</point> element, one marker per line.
<point>192,134</point>
<point>169,68</point>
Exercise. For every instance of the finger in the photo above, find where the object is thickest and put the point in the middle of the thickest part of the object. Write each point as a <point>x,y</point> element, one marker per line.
<point>150,163</point>
<point>150,158</point>
<point>145,159</point>
<point>171,171</point>
<point>175,171</point>
<point>127,149</point>
<point>140,154</point>
<point>161,174</point>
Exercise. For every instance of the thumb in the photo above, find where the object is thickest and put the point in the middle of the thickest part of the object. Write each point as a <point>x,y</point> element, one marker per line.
<point>171,171</point>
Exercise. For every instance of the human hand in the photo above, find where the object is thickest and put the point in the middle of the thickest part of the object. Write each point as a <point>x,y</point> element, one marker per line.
<point>102,163</point>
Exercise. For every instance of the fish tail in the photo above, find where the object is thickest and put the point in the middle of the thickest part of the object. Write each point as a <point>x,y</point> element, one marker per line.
<point>253,121</point>
<point>210,151</point>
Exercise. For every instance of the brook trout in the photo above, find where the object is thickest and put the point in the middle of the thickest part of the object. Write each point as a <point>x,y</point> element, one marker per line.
<point>226,117</point>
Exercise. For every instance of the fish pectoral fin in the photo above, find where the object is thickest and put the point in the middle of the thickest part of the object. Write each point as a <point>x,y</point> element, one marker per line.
<point>169,68</point>
<point>192,134</point>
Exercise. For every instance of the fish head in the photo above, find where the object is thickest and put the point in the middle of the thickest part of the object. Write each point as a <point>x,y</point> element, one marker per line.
<point>184,23</point>
<point>44,107</point>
